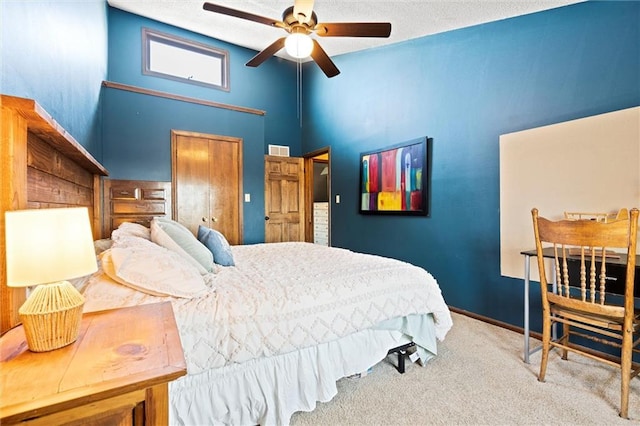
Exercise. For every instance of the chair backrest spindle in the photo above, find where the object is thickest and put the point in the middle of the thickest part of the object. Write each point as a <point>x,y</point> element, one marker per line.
<point>603,277</point>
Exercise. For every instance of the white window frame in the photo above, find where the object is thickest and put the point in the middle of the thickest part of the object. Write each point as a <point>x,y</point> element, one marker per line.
<point>202,54</point>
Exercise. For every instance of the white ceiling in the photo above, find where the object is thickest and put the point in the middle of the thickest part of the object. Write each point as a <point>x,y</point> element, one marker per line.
<point>409,19</point>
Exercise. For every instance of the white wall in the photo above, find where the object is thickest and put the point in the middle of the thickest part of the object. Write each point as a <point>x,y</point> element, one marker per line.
<point>586,165</point>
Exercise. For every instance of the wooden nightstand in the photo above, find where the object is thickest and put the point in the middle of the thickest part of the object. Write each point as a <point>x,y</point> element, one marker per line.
<point>116,373</point>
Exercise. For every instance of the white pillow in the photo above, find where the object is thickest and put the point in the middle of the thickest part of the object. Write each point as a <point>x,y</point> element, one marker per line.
<point>130,229</point>
<point>158,272</point>
<point>176,237</point>
<point>126,241</point>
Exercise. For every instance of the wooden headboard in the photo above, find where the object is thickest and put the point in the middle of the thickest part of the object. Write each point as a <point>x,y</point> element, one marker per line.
<point>43,166</point>
<point>136,201</point>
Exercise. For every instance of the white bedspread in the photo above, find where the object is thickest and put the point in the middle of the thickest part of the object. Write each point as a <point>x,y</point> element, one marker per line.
<point>284,297</point>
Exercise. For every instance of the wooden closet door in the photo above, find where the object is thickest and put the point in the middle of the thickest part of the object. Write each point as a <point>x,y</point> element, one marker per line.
<point>207,182</point>
<point>224,191</point>
<point>190,166</point>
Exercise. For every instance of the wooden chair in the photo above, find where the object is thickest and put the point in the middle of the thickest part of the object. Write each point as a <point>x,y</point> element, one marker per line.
<point>622,215</point>
<point>582,304</point>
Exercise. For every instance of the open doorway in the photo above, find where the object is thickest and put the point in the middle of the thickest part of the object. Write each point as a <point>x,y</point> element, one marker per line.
<point>318,196</point>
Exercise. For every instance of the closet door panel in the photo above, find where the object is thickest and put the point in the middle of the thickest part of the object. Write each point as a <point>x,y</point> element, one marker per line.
<point>191,165</point>
<point>224,198</point>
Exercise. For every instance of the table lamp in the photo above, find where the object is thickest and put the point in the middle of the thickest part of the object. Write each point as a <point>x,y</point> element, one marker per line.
<point>46,247</point>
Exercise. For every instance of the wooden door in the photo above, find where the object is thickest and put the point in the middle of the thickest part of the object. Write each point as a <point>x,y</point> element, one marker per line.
<point>207,182</point>
<point>284,199</point>
<point>225,191</point>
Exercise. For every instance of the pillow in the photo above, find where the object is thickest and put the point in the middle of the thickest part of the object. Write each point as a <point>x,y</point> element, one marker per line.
<point>158,272</point>
<point>131,229</point>
<point>126,241</point>
<point>218,244</point>
<point>178,238</point>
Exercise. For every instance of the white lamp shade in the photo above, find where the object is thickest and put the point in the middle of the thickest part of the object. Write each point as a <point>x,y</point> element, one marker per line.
<point>298,45</point>
<point>48,245</point>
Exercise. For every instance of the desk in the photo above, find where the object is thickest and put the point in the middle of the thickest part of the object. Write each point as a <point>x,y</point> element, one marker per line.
<point>614,273</point>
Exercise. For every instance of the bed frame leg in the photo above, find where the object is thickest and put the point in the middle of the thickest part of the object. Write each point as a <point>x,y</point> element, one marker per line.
<point>401,351</point>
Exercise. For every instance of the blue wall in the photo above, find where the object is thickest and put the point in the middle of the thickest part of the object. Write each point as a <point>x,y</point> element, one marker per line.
<point>270,87</point>
<point>464,89</point>
<point>137,128</point>
<point>142,126</point>
<point>56,53</point>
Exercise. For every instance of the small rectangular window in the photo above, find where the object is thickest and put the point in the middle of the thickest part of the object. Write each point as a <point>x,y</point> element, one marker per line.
<point>175,58</point>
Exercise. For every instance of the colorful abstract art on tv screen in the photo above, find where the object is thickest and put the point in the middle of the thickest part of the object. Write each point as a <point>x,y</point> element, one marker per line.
<point>395,180</point>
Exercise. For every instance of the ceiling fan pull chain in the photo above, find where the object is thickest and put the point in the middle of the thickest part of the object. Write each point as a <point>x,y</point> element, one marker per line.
<point>299,90</point>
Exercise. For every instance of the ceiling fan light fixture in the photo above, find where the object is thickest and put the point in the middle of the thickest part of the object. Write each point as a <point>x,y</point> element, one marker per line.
<point>298,45</point>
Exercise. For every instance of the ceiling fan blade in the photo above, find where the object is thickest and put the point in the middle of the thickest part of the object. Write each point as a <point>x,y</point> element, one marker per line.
<point>323,60</point>
<point>353,29</point>
<point>242,15</point>
<point>271,50</point>
<point>302,10</point>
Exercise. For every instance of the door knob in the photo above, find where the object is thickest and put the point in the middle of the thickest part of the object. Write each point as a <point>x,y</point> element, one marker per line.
<point>204,219</point>
<point>214,219</point>
<point>266,218</point>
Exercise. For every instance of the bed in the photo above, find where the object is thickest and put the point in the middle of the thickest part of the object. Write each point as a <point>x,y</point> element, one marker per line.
<point>271,334</point>
<point>264,338</point>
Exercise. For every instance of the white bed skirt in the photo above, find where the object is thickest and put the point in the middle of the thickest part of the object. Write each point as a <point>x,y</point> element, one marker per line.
<point>268,391</point>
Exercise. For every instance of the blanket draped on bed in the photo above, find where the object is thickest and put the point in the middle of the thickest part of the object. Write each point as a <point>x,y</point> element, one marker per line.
<point>285,297</point>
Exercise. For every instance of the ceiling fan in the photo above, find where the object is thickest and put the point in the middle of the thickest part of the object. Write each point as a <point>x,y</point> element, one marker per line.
<point>300,21</point>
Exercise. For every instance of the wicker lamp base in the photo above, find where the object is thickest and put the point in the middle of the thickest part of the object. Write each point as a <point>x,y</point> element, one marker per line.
<point>51,316</point>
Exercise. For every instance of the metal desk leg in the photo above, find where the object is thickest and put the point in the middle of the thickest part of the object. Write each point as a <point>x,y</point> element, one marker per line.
<point>527,269</point>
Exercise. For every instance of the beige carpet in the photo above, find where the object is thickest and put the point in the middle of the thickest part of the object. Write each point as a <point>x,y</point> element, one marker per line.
<point>479,378</point>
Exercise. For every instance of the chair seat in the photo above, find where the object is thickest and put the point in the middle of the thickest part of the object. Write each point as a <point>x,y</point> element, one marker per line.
<point>602,321</point>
